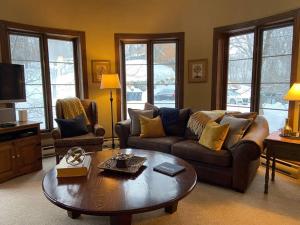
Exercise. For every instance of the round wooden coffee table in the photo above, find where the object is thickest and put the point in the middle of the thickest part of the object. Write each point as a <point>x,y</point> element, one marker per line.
<point>117,195</point>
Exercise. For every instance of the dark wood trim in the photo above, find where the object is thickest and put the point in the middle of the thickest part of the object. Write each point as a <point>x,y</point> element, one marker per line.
<point>295,62</point>
<point>122,38</point>
<point>150,71</point>
<point>37,29</point>
<point>82,69</point>
<point>180,70</point>
<point>256,70</point>
<point>46,81</point>
<point>262,22</point>
<point>119,71</point>
<point>4,44</point>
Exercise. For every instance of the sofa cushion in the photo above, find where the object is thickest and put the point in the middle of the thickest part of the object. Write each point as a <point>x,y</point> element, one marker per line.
<point>175,129</point>
<point>82,140</point>
<point>192,150</point>
<point>213,135</point>
<point>169,118</point>
<point>178,128</point>
<point>151,128</point>
<point>237,128</point>
<point>197,122</point>
<point>162,144</point>
<point>134,115</point>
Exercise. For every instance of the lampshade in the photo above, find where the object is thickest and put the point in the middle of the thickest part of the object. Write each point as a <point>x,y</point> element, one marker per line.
<point>294,93</point>
<point>110,81</point>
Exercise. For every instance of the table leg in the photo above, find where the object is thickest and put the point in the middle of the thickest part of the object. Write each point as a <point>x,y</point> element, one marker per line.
<point>171,208</point>
<point>273,168</point>
<point>267,172</point>
<point>121,219</point>
<point>73,215</point>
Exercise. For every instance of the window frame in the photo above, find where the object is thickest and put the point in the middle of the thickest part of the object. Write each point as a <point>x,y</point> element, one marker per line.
<point>220,56</point>
<point>150,39</point>
<point>43,33</point>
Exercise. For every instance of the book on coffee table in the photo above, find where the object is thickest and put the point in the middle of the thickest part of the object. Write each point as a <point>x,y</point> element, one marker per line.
<point>169,169</point>
<point>64,169</point>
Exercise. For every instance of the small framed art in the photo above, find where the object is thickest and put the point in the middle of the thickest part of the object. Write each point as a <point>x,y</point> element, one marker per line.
<point>99,67</point>
<point>197,70</point>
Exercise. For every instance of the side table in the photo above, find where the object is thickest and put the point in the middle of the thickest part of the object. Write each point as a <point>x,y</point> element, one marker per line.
<point>282,148</point>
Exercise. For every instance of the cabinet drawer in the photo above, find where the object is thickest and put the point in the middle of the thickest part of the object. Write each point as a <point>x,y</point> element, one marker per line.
<point>32,140</point>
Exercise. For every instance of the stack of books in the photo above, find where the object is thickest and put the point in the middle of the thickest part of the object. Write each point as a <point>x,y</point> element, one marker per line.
<point>66,170</point>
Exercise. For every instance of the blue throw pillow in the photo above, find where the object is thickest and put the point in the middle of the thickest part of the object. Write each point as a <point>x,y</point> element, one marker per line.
<point>169,117</point>
<point>174,120</point>
<point>72,127</point>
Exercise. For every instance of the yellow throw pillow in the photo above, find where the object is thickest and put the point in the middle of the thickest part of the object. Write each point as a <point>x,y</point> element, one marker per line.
<point>151,127</point>
<point>214,135</point>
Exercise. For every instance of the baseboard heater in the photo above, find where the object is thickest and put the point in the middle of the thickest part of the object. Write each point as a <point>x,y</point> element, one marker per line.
<point>285,167</point>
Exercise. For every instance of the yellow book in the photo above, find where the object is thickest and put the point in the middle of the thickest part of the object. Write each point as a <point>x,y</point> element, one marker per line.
<point>63,169</point>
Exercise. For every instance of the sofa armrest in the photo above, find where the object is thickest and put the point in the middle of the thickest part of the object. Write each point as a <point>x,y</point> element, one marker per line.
<point>99,130</point>
<point>122,129</point>
<point>56,134</point>
<point>246,153</point>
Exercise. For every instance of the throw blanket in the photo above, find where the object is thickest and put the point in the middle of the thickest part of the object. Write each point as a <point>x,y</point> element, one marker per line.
<point>198,120</point>
<point>169,117</point>
<point>72,107</point>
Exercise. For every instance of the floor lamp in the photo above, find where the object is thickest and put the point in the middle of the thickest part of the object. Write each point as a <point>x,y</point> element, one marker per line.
<point>111,81</point>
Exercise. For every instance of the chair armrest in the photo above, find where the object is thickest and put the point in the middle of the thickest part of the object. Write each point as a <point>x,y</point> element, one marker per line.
<point>99,130</point>
<point>122,129</point>
<point>56,134</point>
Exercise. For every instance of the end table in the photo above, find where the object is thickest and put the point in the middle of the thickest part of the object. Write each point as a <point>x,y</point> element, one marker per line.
<point>282,148</point>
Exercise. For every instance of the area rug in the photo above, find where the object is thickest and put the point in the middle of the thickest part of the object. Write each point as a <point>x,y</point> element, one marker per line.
<point>22,203</point>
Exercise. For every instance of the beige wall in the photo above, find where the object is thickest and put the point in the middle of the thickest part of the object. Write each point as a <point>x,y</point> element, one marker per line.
<point>100,19</point>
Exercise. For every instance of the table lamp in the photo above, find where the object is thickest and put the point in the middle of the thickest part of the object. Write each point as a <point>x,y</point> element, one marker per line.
<point>111,81</point>
<point>294,95</point>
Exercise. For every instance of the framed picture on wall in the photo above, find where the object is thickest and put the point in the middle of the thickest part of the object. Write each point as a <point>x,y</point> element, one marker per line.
<point>99,67</point>
<point>197,70</point>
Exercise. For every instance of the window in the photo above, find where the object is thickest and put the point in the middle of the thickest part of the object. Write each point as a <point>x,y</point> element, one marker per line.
<point>239,82</point>
<point>54,66</point>
<point>164,74</point>
<point>151,70</point>
<point>25,50</point>
<point>275,75</point>
<point>136,75</point>
<point>253,67</point>
<point>62,71</point>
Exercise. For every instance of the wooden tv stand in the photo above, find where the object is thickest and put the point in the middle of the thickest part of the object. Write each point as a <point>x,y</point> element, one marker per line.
<point>20,150</point>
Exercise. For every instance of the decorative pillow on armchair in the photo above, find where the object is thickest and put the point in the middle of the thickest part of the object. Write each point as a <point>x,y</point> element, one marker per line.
<point>72,127</point>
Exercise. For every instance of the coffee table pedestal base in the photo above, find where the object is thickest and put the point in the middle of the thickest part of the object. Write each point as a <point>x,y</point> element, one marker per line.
<point>121,219</point>
<point>124,219</point>
<point>171,208</point>
<point>73,215</point>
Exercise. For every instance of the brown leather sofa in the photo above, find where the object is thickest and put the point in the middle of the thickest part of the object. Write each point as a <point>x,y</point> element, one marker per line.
<point>233,168</point>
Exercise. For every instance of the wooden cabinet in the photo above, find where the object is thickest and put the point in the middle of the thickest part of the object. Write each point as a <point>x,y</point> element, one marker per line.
<point>20,150</point>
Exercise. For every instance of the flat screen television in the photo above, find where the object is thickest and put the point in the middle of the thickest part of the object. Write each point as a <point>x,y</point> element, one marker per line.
<point>12,83</point>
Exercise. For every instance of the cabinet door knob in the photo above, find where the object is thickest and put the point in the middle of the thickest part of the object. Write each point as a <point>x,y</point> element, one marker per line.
<point>13,156</point>
<point>18,156</point>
